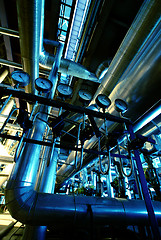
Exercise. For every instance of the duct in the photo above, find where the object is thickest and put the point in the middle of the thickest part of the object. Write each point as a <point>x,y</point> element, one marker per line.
<point>140,28</point>
<point>140,80</point>
<point>66,66</point>
<point>102,67</point>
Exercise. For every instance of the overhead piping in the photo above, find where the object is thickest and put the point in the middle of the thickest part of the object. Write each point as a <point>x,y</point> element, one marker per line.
<point>146,18</point>
<point>66,66</point>
<point>139,72</point>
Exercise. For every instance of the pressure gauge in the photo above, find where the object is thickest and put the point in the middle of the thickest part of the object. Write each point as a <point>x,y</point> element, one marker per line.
<point>64,90</point>
<point>121,105</point>
<point>20,77</point>
<point>85,95</point>
<point>43,85</point>
<point>103,101</point>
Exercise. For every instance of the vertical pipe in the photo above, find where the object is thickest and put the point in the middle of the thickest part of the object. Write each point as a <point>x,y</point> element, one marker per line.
<point>109,187</point>
<point>147,199</point>
<point>49,175</point>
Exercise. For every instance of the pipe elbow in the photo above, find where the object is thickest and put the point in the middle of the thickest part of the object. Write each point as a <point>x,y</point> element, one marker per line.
<point>20,202</point>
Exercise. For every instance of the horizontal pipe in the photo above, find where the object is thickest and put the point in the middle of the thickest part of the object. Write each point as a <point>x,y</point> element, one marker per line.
<point>66,66</point>
<point>148,116</point>
<point>19,66</point>
<point>9,32</point>
<point>49,102</point>
<point>64,145</point>
<point>33,208</point>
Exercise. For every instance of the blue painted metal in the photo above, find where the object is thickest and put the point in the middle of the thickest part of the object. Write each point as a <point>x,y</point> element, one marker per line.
<point>147,199</point>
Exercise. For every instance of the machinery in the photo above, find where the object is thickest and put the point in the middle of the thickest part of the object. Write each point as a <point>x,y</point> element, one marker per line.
<point>84,149</point>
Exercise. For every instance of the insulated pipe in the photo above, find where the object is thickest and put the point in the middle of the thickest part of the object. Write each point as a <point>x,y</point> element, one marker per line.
<point>66,66</point>
<point>140,80</point>
<point>29,14</point>
<point>140,28</point>
<point>30,207</point>
<point>151,114</point>
<point>49,175</point>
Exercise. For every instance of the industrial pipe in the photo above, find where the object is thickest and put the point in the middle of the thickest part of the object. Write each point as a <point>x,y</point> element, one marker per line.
<point>31,207</point>
<point>66,66</point>
<point>146,18</point>
<point>141,78</point>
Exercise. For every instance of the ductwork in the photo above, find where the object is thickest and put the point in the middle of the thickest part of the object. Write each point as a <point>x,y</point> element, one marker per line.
<point>66,66</point>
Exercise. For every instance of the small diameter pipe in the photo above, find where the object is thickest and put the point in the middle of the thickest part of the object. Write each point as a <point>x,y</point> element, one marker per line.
<point>78,136</point>
<point>9,32</point>
<point>5,103</point>
<point>6,121</point>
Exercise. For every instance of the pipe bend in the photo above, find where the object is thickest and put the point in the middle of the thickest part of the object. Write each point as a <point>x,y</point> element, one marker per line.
<point>34,208</point>
<point>44,209</point>
<point>20,202</point>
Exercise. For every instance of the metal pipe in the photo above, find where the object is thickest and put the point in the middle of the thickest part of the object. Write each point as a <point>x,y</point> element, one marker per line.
<point>148,116</point>
<point>3,75</point>
<point>66,66</point>
<point>146,18</point>
<point>9,32</point>
<point>49,175</point>
<point>29,13</point>
<point>145,190</point>
<point>19,66</point>
<point>130,87</point>
<point>35,208</point>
